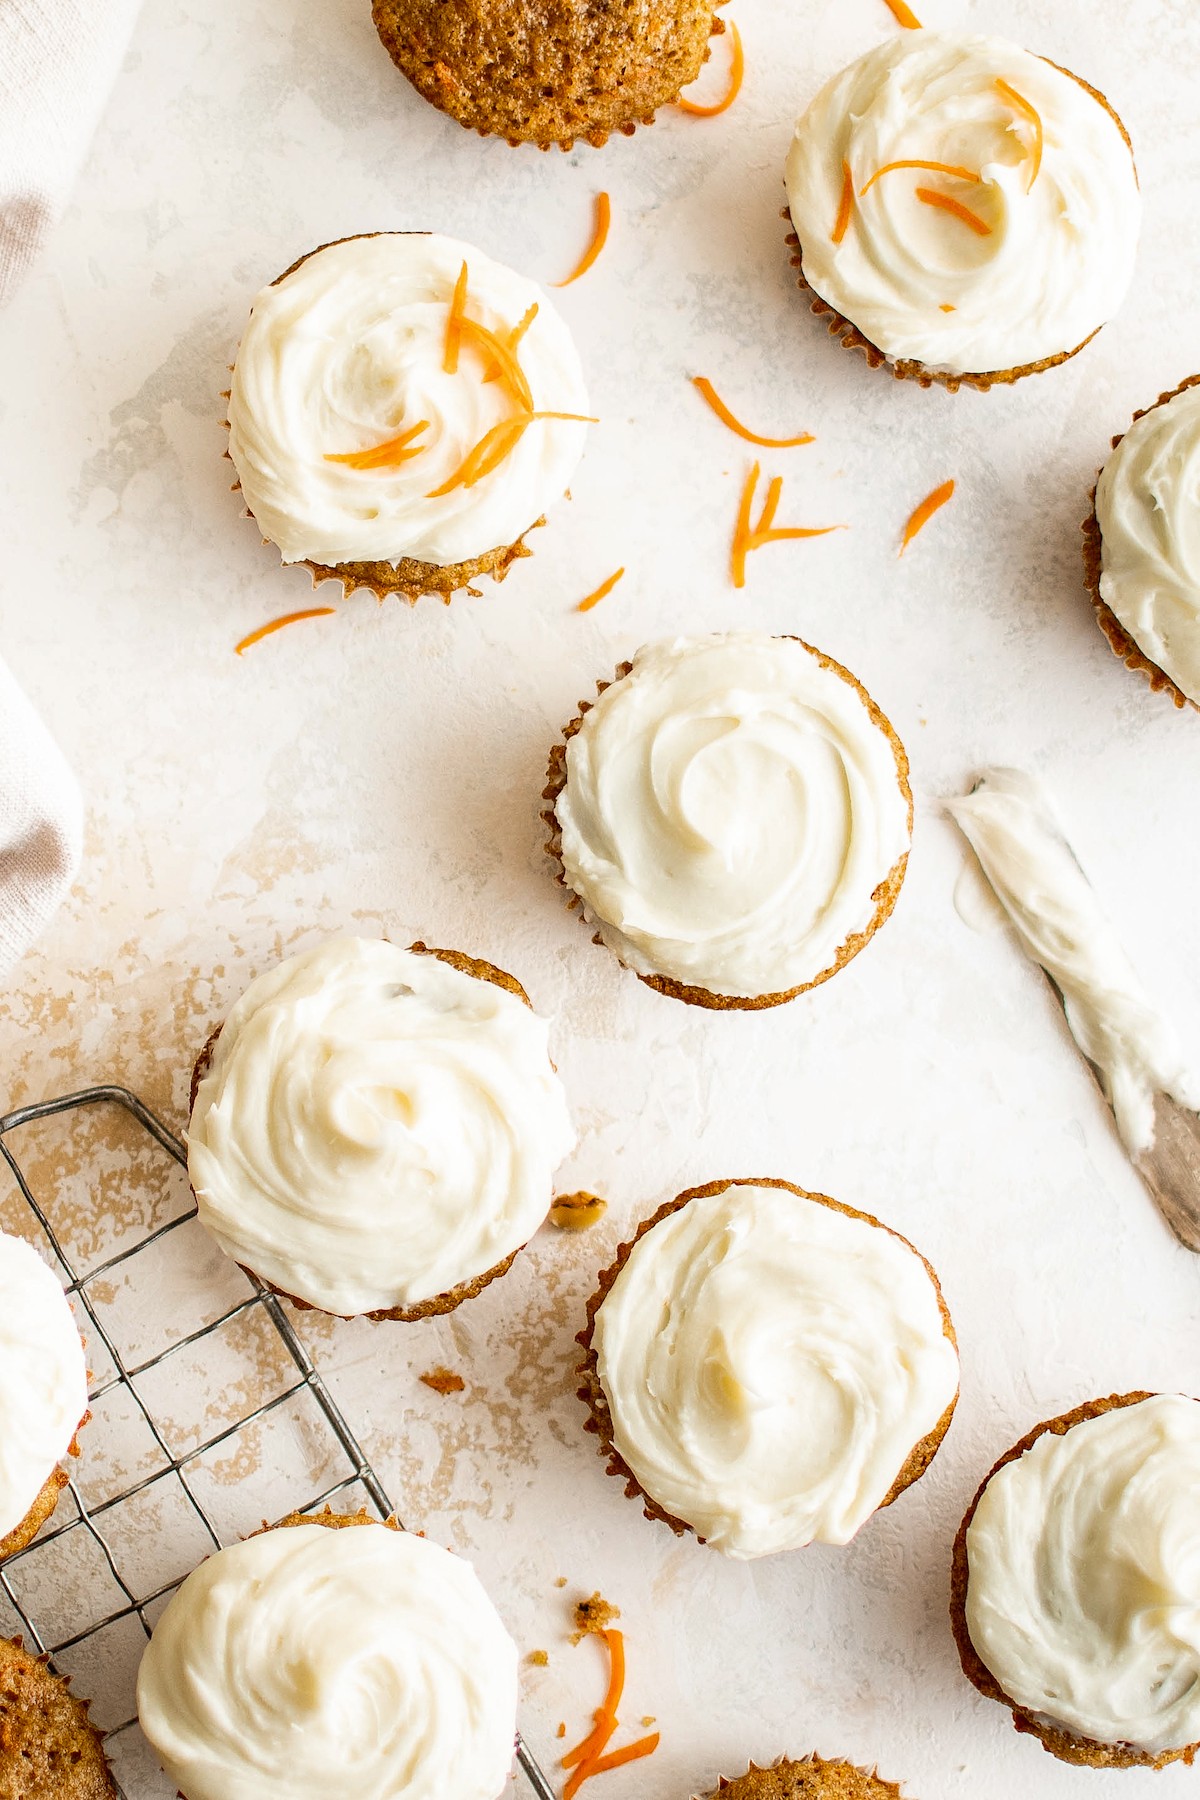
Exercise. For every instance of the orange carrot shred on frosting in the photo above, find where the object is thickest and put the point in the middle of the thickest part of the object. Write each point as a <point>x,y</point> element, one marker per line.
<point>630,1753</point>
<point>513,339</point>
<point>599,239</point>
<point>458,302</point>
<point>842,222</point>
<point>1029,111</point>
<point>747,538</point>
<point>947,203</point>
<point>903,14</point>
<point>939,168</point>
<point>256,637</point>
<point>494,446</point>
<point>737,74</point>
<point>752,437</point>
<point>511,372</point>
<point>387,455</point>
<point>600,593</point>
<point>946,307</point>
<point>932,503</point>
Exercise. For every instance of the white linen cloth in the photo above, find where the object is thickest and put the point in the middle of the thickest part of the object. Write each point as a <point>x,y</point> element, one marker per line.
<point>41,823</point>
<point>58,61</point>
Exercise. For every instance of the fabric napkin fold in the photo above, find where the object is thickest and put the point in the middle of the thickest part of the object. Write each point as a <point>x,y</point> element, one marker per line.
<point>41,823</point>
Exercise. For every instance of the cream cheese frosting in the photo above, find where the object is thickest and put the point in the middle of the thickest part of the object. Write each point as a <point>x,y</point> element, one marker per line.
<point>1083,1593</point>
<point>1009,822</point>
<point>376,1127</point>
<point>769,1364</point>
<point>347,352</point>
<point>920,283</point>
<point>1148,510</point>
<point>43,1378</point>
<point>730,808</point>
<point>308,1662</point>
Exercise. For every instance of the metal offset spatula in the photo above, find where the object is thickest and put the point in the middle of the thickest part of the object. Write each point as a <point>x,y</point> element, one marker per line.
<point>1127,1043</point>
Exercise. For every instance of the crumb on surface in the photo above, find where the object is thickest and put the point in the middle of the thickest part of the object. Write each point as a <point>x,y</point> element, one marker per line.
<point>560,1581</point>
<point>538,1658</point>
<point>596,1614</point>
<point>562,1729</point>
<point>649,1720</point>
<point>576,1212</point>
<point>443,1381</point>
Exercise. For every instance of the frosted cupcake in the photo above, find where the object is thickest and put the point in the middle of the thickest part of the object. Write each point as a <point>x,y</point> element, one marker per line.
<point>734,814</point>
<point>313,1662</point>
<point>403,411</point>
<point>962,209</point>
<point>1142,544</point>
<point>49,1748</point>
<point>375,1130</point>
<point>813,1778</point>
<point>766,1367</point>
<point>1076,1583</point>
<point>550,73</point>
<point>43,1392</point>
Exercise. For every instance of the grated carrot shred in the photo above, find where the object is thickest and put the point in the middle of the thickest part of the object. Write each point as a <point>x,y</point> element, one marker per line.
<point>939,168</point>
<point>946,307</point>
<point>737,74</point>
<point>599,239</point>
<point>256,637</point>
<point>1030,112</point>
<point>588,1758</point>
<point>631,1753</point>
<point>947,203</point>
<point>752,437</point>
<point>458,303</point>
<point>513,340</point>
<point>511,372</point>
<point>386,455</point>
<point>494,446</point>
<point>921,516</point>
<point>842,222</point>
<point>747,538</point>
<point>600,593</point>
<point>903,14</point>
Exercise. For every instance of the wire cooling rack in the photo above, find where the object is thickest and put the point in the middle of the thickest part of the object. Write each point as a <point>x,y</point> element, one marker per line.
<point>137,1604</point>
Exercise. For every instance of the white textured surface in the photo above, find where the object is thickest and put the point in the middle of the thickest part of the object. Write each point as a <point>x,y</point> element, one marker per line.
<point>381,770</point>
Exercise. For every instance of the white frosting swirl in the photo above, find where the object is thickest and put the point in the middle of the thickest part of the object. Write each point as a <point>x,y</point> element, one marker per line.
<point>730,809</point>
<point>308,1662</point>
<point>1060,253</point>
<point>1008,820</point>
<point>769,1364</point>
<point>43,1378</point>
<point>1083,1595</point>
<point>1148,508</point>
<point>376,1127</point>
<point>347,352</point>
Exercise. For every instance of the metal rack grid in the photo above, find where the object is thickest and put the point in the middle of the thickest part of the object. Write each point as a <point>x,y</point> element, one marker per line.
<point>90,1516</point>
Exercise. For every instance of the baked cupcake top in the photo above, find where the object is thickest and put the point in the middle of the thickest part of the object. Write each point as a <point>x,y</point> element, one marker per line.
<point>1083,1586</point>
<point>308,1662</point>
<point>376,1126</point>
<point>770,1361</point>
<point>731,805</point>
<point>43,1378</point>
<point>348,354</point>
<point>1027,245</point>
<point>1148,510</point>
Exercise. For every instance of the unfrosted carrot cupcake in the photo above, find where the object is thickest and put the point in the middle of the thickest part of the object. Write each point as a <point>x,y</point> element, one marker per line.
<point>549,72</point>
<point>962,209</point>
<point>767,1367</point>
<point>1141,547</point>
<point>375,1130</point>
<point>309,1662</point>
<point>49,1748</point>
<point>1076,1583</point>
<point>813,1778</point>
<point>403,411</point>
<point>734,814</point>
<point>43,1392</point>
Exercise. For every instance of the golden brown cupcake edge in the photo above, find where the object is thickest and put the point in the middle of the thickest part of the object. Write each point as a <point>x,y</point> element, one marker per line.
<point>410,578</point>
<point>49,1748</point>
<point>851,338</point>
<point>26,1529</point>
<point>599,1421</point>
<point>1059,1742</point>
<point>544,72</point>
<point>1120,642</point>
<point>885,895</point>
<point>466,1290</point>
<point>812,1778</point>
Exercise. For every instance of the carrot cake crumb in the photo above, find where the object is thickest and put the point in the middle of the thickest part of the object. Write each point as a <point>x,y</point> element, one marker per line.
<point>560,1581</point>
<point>576,1212</point>
<point>443,1381</point>
<point>596,1614</point>
<point>538,1658</point>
